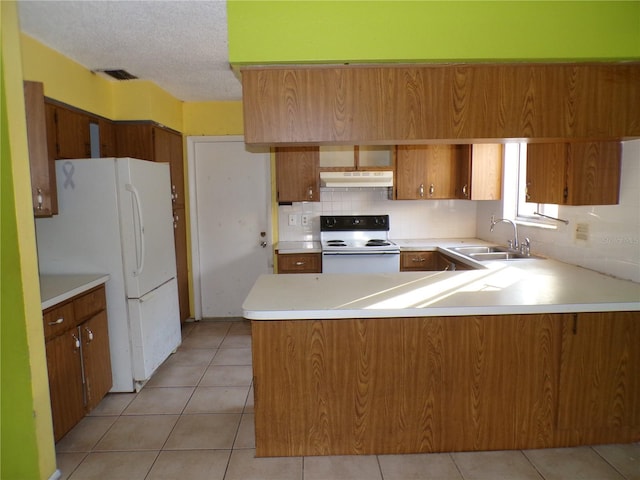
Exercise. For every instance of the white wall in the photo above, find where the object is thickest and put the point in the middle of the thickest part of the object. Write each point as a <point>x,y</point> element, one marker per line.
<point>613,246</point>
<point>408,218</point>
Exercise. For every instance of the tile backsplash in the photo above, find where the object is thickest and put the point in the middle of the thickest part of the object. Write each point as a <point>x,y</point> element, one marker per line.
<point>612,247</point>
<point>613,240</point>
<point>408,218</point>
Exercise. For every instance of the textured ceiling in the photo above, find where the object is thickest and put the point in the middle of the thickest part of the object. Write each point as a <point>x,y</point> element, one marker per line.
<point>179,45</point>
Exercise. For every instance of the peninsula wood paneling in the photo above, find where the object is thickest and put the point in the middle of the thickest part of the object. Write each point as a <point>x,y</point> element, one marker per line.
<point>402,385</point>
<point>440,103</point>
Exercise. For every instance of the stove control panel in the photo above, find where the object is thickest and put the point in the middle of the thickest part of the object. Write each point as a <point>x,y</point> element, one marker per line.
<point>345,223</point>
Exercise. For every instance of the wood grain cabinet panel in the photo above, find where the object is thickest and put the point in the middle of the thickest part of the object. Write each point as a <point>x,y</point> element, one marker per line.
<point>297,174</point>
<point>480,174</point>
<point>300,263</point>
<point>600,371</point>
<point>404,385</point>
<point>426,172</point>
<point>580,173</point>
<point>78,357</point>
<point>43,173</point>
<point>73,139</point>
<point>418,261</point>
<point>358,104</point>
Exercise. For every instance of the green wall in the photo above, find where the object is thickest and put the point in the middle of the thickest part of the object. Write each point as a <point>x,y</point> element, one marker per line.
<point>265,31</point>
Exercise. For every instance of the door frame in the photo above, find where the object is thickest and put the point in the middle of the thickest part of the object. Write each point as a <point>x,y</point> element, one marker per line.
<point>193,215</point>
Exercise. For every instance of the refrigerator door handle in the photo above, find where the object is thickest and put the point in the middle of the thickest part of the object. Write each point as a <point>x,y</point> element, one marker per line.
<point>139,258</point>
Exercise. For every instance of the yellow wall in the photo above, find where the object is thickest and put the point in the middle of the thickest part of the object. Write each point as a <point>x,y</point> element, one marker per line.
<point>213,118</point>
<point>24,324</point>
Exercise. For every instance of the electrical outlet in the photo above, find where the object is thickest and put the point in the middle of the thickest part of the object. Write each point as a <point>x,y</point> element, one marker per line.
<point>582,231</point>
<point>304,220</point>
<point>293,220</point>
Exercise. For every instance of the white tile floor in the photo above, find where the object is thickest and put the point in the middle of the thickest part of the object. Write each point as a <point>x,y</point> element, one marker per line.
<point>194,421</point>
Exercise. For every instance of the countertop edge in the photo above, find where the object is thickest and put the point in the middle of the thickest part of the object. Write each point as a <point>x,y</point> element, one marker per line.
<point>79,284</point>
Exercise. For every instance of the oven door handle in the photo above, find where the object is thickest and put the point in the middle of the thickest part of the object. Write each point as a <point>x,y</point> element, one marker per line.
<point>394,252</point>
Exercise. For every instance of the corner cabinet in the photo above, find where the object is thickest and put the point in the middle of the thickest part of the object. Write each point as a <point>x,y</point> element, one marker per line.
<point>43,173</point>
<point>297,174</point>
<point>78,358</point>
<point>580,173</point>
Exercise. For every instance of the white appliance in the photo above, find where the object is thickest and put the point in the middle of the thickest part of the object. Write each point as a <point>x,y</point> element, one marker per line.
<point>357,244</point>
<point>115,217</point>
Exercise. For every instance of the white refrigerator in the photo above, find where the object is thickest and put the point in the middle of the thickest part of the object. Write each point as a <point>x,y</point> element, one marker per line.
<point>115,217</point>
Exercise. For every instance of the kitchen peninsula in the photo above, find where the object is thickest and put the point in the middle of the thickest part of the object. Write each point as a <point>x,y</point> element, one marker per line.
<point>520,354</point>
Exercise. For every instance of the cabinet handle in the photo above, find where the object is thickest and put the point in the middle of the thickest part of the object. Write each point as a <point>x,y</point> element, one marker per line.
<point>464,191</point>
<point>57,322</point>
<point>89,334</point>
<point>39,199</point>
<point>418,259</point>
<point>310,193</point>
<point>174,194</point>
<point>175,220</point>
<point>76,341</point>
<point>431,190</point>
<point>299,263</point>
<point>421,190</point>
<point>526,192</point>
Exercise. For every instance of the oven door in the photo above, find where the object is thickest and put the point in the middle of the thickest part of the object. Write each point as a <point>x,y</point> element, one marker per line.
<point>361,262</point>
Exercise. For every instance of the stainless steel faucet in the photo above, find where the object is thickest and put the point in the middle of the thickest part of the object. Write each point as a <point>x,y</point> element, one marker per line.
<point>513,244</point>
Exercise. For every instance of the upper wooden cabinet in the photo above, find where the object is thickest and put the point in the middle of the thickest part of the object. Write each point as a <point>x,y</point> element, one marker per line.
<point>297,176</point>
<point>426,172</point>
<point>43,173</point>
<point>150,141</point>
<point>581,173</point>
<point>480,175</point>
<point>73,139</point>
<point>358,157</point>
<point>413,104</point>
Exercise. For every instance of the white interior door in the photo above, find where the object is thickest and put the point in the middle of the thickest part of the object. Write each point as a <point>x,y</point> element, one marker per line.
<point>230,222</point>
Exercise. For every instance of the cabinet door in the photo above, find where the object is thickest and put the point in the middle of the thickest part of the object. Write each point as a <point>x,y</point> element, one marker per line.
<point>168,148</point>
<point>300,263</point>
<point>96,359</point>
<point>297,175</point>
<point>427,171</point>
<point>72,134</point>
<point>42,175</point>
<point>485,177</point>
<point>593,173</point>
<point>546,173</point>
<point>417,261</point>
<point>599,371</point>
<point>107,138</point>
<point>182,269</point>
<point>411,172</point>
<point>65,382</point>
<point>134,140</point>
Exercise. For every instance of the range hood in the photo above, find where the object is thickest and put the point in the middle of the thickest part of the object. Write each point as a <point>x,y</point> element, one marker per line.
<point>377,178</point>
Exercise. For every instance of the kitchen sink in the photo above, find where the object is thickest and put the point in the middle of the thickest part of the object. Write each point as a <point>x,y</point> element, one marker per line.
<point>483,253</point>
<point>480,249</point>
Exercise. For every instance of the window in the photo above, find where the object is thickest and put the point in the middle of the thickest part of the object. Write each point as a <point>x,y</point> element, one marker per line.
<point>515,190</point>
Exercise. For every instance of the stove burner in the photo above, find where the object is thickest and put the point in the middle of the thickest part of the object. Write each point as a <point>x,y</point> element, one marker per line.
<point>377,242</point>
<point>336,243</point>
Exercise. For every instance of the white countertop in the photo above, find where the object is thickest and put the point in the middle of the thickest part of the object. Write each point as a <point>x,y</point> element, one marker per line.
<point>509,287</point>
<point>310,246</point>
<point>55,289</point>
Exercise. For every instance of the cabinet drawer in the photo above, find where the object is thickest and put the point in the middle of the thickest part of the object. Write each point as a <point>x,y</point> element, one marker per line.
<point>300,263</point>
<point>89,303</point>
<point>58,319</point>
<point>417,261</point>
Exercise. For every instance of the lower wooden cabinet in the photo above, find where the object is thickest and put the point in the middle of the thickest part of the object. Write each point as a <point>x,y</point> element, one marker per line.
<point>428,261</point>
<point>78,357</point>
<point>300,263</point>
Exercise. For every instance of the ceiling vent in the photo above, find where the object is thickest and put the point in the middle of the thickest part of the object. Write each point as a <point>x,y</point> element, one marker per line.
<point>118,74</point>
